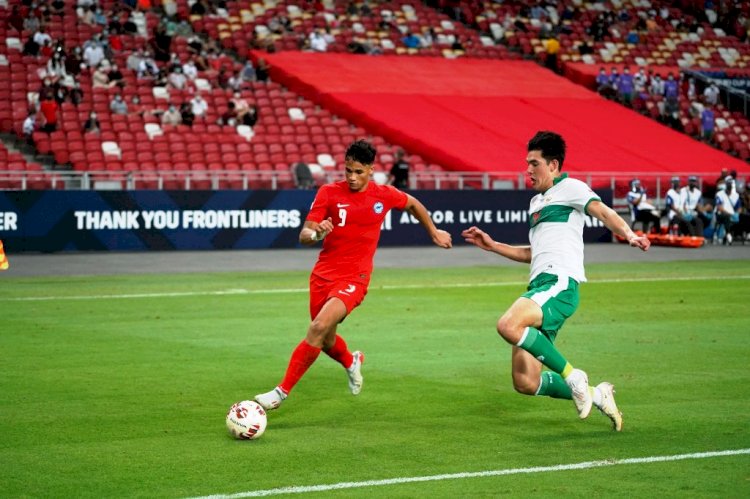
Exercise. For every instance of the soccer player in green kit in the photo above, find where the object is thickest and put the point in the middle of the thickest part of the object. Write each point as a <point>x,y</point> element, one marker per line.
<point>557,217</point>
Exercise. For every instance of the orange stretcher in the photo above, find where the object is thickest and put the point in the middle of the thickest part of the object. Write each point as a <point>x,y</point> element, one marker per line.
<point>666,239</point>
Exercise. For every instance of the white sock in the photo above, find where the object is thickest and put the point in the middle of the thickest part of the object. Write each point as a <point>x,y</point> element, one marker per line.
<point>596,395</point>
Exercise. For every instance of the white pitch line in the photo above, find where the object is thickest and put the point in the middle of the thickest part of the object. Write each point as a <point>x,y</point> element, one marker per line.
<point>479,474</point>
<point>386,286</point>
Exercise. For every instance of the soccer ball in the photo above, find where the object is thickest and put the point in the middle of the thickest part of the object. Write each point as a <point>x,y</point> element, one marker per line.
<point>246,420</point>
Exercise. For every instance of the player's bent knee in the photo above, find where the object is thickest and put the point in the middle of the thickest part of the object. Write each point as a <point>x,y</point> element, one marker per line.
<point>525,386</point>
<point>508,329</point>
<point>317,332</point>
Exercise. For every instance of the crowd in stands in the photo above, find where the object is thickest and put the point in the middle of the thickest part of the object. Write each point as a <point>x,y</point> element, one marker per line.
<point>88,65</point>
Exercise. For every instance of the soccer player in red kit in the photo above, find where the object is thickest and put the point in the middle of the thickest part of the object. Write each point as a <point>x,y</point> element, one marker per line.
<point>347,216</point>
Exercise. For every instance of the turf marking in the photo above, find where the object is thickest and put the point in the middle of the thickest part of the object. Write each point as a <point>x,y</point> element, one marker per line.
<point>386,286</point>
<point>479,474</point>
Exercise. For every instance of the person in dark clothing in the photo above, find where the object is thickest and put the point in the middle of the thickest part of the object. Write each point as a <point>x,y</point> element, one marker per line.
<point>399,174</point>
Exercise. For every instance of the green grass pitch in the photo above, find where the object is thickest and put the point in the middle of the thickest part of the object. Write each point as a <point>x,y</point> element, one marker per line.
<point>118,386</point>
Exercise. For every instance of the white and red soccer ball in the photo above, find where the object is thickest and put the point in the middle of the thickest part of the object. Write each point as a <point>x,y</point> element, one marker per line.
<point>246,420</point>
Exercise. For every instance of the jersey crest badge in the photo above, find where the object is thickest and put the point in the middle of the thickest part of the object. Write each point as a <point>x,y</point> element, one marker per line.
<point>378,207</point>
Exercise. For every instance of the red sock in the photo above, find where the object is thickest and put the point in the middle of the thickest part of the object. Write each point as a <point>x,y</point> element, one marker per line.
<point>302,358</point>
<point>340,352</point>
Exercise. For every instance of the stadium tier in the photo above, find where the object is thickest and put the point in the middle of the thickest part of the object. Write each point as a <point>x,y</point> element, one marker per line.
<point>467,105</point>
<point>477,115</point>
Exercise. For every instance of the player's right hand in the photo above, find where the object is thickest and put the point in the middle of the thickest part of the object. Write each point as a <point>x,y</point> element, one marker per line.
<point>324,228</point>
<point>477,237</point>
<point>442,239</point>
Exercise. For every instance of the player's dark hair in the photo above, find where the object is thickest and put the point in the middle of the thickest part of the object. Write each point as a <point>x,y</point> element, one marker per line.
<point>550,144</point>
<point>361,151</point>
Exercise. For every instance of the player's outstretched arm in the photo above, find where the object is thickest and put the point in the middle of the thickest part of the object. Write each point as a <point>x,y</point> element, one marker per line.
<point>480,239</point>
<point>616,224</point>
<point>417,210</point>
<point>313,232</point>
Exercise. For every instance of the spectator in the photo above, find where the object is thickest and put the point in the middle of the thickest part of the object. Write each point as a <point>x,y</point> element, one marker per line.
<point>708,124</point>
<point>656,88</point>
<point>73,62</point>
<point>303,176</point>
<point>136,107</point>
<point>93,54</point>
<point>100,77</point>
<point>411,40</point>
<point>229,117</point>
<point>134,60</point>
<point>56,66</point>
<point>118,105</point>
<point>198,106</point>
<point>41,37</point>
<point>49,109</point>
<point>16,19</point>
<point>29,126</point>
<point>693,210</point>
<point>640,209</point>
<point>57,7</point>
<point>190,70</point>
<point>262,72</point>
<point>551,47</point>
<point>98,17</point>
<point>626,87</point>
<point>691,91</point>
<point>160,80</point>
<point>360,46</point>
<point>584,48</point>
<point>241,106</point>
<point>248,72</point>
<point>85,14</point>
<point>428,37</point>
<point>116,78</point>
<point>171,116</point>
<point>30,47</point>
<point>177,79</point>
<point>318,42</point>
<point>76,94</point>
<point>399,174</point>
<point>186,113</point>
<point>222,79</point>
<point>60,92</point>
<point>671,94</point>
<point>31,23</point>
<point>92,124</point>
<point>603,85</point>
<point>147,67</point>
<point>162,44</point>
<point>674,208</point>
<point>727,206</point>
<point>251,117</point>
<point>711,94</point>
<point>235,82</point>
<point>115,39</point>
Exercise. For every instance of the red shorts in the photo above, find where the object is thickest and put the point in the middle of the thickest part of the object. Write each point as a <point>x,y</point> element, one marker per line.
<point>351,292</point>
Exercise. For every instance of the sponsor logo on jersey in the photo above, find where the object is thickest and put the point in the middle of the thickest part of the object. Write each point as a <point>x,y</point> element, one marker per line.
<point>378,207</point>
<point>341,205</point>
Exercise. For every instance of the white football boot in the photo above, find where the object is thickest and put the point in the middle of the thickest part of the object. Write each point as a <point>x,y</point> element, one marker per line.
<point>608,406</point>
<point>355,373</point>
<point>271,400</point>
<point>579,385</point>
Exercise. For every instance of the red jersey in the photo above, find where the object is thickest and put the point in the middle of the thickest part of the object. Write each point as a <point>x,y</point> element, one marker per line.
<point>49,111</point>
<point>357,218</point>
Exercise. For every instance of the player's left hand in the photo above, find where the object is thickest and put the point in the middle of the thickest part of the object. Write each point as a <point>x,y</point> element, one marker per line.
<point>442,239</point>
<point>641,242</point>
